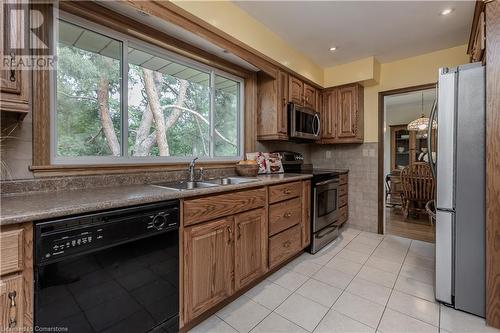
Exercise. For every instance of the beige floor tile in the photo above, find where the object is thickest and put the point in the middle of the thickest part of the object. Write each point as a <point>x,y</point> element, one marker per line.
<point>302,311</point>
<point>354,256</point>
<point>456,321</point>
<point>378,276</point>
<point>320,258</point>
<point>383,264</point>
<point>344,265</point>
<point>417,273</point>
<point>358,246</point>
<point>335,322</point>
<point>415,288</point>
<point>423,249</point>
<point>277,324</point>
<point>415,307</point>
<point>419,261</point>
<point>396,322</point>
<point>372,235</point>
<point>303,267</point>
<point>213,325</point>
<point>364,311</point>
<point>390,254</point>
<point>287,279</point>
<point>243,314</point>
<point>333,277</point>
<point>371,291</point>
<point>319,292</point>
<point>373,242</point>
<point>269,294</point>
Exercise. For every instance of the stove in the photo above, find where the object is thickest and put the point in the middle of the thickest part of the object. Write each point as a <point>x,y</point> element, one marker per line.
<point>324,199</point>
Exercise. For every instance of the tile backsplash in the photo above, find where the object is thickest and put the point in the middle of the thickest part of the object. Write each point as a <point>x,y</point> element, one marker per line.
<point>362,162</point>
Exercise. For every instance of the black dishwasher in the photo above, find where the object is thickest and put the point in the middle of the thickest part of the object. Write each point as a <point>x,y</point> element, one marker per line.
<point>113,271</point>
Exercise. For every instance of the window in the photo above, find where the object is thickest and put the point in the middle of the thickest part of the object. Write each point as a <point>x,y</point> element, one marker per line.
<point>121,100</point>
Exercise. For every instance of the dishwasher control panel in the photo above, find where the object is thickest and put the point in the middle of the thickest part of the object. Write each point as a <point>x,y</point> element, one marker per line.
<point>82,234</point>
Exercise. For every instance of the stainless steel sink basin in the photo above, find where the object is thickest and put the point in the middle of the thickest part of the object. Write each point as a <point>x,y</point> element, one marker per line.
<point>184,186</point>
<point>232,180</point>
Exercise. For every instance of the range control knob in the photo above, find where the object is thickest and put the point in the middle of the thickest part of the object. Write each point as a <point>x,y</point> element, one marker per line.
<point>159,221</point>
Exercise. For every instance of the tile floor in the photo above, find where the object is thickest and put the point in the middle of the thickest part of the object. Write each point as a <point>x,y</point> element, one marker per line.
<point>363,282</point>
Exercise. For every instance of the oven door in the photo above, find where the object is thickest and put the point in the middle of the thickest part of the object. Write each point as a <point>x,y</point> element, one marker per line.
<point>325,195</point>
<point>304,123</point>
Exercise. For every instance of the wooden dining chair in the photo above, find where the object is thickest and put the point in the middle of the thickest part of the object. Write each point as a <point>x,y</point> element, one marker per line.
<point>418,187</point>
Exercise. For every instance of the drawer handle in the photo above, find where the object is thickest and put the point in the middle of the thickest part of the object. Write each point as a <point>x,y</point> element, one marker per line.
<point>287,215</point>
<point>239,230</point>
<point>287,191</point>
<point>230,233</point>
<point>12,309</point>
<point>287,244</point>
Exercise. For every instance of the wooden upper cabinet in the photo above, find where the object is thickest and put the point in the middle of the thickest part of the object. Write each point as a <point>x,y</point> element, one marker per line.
<point>208,265</point>
<point>272,99</point>
<point>477,38</point>
<point>296,90</point>
<point>310,96</point>
<point>14,85</point>
<point>250,248</point>
<point>342,115</point>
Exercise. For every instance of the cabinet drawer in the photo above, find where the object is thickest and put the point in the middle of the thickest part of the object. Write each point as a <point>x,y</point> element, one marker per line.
<point>214,206</point>
<point>11,251</point>
<point>284,191</point>
<point>342,190</point>
<point>343,214</point>
<point>284,214</point>
<point>343,179</point>
<point>12,304</point>
<point>343,200</point>
<point>284,245</point>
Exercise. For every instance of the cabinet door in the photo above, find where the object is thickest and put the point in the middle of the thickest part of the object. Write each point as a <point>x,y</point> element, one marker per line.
<point>329,115</point>
<point>309,96</point>
<point>306,213</point>
<point>296,90</point>
<point>208,265</point>
<point>282,102</point>
<point>11,300</point>
<point>347,115</point>
<point>250,253</point>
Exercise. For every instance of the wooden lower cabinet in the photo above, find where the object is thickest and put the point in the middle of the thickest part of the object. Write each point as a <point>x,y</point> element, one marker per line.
<point>12,303</point>
<point>208,265</point>
<point>306,213</point>
<point>250,247</point>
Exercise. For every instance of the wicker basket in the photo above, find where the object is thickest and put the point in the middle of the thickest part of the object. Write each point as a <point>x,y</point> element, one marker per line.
<point>247,170</point>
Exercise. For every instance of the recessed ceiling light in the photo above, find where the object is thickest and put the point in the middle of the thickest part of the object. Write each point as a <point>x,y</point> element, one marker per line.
<point>447,11</point>
<point>333,48</point>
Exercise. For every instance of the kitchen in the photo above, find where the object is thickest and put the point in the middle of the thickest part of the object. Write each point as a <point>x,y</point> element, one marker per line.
<point>130,195</point>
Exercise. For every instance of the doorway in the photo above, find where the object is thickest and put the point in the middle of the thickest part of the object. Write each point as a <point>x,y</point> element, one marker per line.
<point>403,154</point>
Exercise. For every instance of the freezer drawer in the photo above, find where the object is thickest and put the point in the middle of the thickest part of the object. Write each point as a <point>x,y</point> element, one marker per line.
<point>444,256</point>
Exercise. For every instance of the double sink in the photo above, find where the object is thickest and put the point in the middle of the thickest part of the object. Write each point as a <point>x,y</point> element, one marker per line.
<point>187,185</point>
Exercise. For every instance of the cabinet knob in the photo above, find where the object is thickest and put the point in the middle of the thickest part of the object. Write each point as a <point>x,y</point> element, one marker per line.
<point>287,215</point>
<point>230,234</point>
<point>12,76</point>
<point>287,244</point>
<point>12,309</point>
<point>286,191</point>
<point>239,230</point>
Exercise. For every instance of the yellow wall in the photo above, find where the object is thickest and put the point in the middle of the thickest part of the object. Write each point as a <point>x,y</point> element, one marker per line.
<point>236,22</point>
<point>406,73</point>
<point>361,70</point>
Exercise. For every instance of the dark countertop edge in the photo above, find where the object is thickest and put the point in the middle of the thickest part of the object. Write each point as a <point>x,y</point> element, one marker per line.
<point>121,203</point>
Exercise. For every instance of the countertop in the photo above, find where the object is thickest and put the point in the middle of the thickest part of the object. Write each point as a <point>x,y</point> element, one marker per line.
<point>44,205</point>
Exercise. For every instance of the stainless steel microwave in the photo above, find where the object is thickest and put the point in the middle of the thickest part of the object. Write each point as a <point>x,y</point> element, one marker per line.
<point>303,123</point>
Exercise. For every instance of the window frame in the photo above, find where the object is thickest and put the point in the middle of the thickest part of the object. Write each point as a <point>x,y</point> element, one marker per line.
<point>124,158</point>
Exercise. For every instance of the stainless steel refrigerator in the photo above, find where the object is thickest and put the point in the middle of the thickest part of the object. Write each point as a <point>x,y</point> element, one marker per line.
<point>460,175</point>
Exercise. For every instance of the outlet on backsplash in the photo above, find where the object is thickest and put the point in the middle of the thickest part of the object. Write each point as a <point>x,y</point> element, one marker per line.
<point>328,154</point>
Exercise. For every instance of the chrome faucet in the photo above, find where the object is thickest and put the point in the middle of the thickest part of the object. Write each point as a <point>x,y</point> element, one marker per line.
<point>191,169</point>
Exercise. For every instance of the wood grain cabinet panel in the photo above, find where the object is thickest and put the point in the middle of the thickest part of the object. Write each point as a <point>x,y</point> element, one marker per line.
<point>346,115</point>
<point>296,90</point>
<point>250,247</point>
<point>329,115</point>
<point>310,96</point>
<point>284,191</point>
<point>343,179</point>
<point>208,265</point>
<point>283,215</point>
<point>284,245</point>
<point>306,213</point>
<point>11,251</point>
<point>12,304</point>
<point>342,200</point>
<point>282,103</point>
<point>342,189</point>
<point>214,206</point>
<point>272,101</point>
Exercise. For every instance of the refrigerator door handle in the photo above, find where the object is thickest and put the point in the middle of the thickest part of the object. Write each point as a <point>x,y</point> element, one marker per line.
<point>432,163</point>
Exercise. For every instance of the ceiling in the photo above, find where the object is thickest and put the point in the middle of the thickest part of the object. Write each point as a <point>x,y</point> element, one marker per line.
<point>410,101</point>
<point>388,30</point>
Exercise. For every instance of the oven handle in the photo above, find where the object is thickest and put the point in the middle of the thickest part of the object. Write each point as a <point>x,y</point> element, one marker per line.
<point>328,182</point>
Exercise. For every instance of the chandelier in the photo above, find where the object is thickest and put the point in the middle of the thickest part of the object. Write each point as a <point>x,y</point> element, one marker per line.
<point>422,123</point>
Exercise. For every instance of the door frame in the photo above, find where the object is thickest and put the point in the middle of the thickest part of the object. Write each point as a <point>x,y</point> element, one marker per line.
<point>380,168</point>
